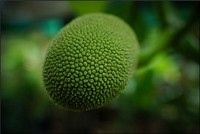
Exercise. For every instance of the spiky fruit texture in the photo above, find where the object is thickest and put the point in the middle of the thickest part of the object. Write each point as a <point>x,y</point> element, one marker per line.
<point>90,62</point>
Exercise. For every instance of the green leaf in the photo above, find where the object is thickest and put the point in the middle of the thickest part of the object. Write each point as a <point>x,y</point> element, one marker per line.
<point>84,7</point>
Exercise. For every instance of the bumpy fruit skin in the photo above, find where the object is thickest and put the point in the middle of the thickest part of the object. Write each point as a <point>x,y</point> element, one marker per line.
<point>90,62</point>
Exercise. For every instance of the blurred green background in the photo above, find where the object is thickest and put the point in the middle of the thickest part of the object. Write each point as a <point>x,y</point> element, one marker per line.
<point>162,96</point>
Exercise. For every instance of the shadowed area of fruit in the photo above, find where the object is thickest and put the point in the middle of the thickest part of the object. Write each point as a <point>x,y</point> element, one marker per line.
<point>84,56</point>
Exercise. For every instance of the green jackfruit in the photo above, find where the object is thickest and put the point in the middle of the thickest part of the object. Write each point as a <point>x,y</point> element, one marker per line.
<point>90,62</point>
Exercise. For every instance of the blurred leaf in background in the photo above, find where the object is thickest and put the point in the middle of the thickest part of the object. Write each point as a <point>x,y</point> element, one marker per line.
<point>85,7</point>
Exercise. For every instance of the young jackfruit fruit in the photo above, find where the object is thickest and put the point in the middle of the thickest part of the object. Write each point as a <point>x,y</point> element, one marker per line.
<point>90,62</point>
